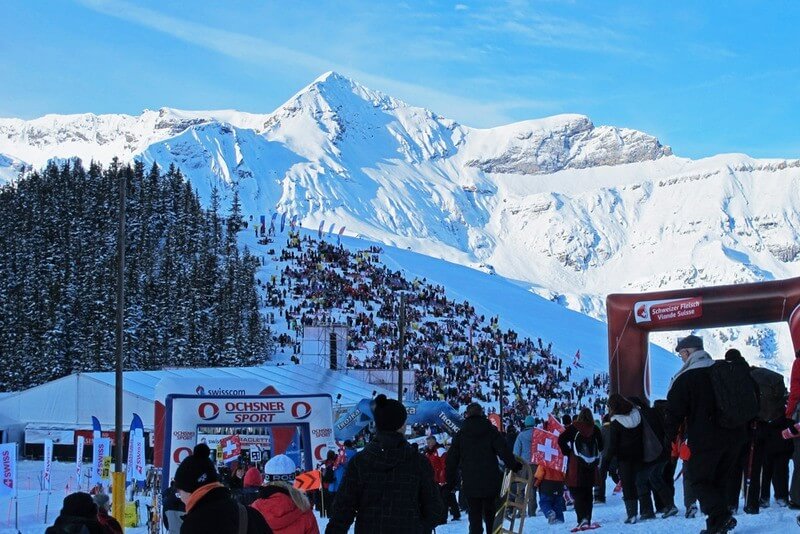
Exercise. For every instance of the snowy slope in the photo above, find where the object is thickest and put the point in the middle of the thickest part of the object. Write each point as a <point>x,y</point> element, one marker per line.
<point>575,211</point>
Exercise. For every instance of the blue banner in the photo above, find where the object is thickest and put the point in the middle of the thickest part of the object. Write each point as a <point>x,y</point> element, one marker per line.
<point>437,413</point>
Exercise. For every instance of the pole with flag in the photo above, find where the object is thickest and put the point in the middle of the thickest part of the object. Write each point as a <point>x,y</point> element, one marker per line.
<point>8,476</point>
<point>321,226</point>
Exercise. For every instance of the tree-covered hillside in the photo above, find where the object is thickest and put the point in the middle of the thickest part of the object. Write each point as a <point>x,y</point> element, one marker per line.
<point>190,291</point>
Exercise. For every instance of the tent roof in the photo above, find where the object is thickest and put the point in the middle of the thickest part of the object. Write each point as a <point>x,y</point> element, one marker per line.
<point>287,379</point>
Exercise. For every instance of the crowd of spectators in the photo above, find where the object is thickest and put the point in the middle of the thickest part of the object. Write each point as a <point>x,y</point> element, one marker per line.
<point>454,351</point>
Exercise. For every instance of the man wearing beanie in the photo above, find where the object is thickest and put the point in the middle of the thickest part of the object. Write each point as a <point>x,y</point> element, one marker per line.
<point>78,514</point>
<point>388,488</point>
<point>209,506</point>
<point>474,451</point>
<point>714,449</point>
<point>285,509</point>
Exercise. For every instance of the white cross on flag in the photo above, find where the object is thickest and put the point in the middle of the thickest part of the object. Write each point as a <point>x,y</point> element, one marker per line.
<point>545,450</point>
<point>554,425</point>
<point>231,448</point>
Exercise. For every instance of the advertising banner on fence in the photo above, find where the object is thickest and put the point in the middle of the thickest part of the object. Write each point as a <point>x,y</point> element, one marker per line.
<point>8,470</point>
<point>47,469</point>
<point>100,449</point>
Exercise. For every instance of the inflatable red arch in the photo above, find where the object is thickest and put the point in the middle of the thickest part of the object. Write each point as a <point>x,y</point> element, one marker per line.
<point>631,318</point>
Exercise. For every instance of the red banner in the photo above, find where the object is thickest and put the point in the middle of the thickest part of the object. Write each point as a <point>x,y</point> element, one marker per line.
<point>664,311</point>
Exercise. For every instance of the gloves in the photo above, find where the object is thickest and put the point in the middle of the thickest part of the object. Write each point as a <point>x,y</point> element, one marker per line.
<point>793,429</point>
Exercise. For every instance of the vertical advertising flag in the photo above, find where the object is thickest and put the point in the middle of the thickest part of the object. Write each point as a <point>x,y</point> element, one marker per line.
<point>79,459</point>
<point>47,468</point>
<point>101,447</point>
<point>283,221</point>
<point>321,227</point>
<point>8,470</point>
<point>330,229</point>
<point>339,238</point>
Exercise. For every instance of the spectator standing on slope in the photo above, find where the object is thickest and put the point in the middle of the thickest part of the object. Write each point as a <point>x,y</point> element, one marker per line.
<point>388,488</point>
<point>474,451</point>
<point>522,449</point>
<point>582,445</point>
<point>713,448</point>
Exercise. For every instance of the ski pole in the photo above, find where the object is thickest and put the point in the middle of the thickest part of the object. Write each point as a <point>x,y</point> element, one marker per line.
<point>750,462</point>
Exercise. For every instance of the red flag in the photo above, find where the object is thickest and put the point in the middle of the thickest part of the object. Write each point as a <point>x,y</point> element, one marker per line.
<point>545,450</point>
<point>231,448</point>
<point>495,420</point>
<point>554,425</point>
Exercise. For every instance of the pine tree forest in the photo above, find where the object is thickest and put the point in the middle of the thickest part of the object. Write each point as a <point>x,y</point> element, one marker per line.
<point>190,291</point>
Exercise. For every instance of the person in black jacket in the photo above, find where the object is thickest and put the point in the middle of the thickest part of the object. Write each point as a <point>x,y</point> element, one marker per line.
<point>474,451</point>
<point>714,449</point>
<point>172,508</point>
<point>650,476</point>
<point>625,436</point>
<point>210,508</point>
<point>582,445</point>
<point>78,514</point>
<point>388,487</point>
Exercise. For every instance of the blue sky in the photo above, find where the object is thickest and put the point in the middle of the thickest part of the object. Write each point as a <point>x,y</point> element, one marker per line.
<point>705,77</point>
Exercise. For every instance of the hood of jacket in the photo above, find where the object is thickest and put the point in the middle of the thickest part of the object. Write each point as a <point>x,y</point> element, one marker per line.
<point>387,450</point>
<point>278,509</point>
<point>477,425</point>
<point>629,420</point>
<point>696,360</point>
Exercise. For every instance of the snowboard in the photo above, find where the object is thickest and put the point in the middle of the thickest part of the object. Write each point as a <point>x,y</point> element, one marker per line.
<point>514,497</point>
<point>590,526</point>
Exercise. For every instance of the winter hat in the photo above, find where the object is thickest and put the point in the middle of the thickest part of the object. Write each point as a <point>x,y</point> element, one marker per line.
<point>196,470</point>
<point>79,504</point>
<point>689,342</point>
<point>279,468</point>
<point>473,408</point>
<point>102,500</point>
<point>389,414</point>
<point>530,421</point>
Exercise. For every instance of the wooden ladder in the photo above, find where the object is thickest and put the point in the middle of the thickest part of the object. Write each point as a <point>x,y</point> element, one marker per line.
<point>518,505</point>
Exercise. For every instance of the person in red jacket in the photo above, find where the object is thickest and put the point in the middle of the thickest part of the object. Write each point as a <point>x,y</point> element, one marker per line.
<point>286,509</point>
<point>791,413</point>
<point>436,455</point>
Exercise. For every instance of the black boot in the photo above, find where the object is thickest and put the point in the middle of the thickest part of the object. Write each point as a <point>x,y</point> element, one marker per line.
<point>669,509</point>
<point>630,509</point>
<point>646,508</point>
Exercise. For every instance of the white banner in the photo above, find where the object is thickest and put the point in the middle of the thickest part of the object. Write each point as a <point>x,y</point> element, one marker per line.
<point>79,459</point>
<point>8,470</point>
<point>101,447</point>
<point>47,469</point>
<point>59,437</point>
<point>138,469</point>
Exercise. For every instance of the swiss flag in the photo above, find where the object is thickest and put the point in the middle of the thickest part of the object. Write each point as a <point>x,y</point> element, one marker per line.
<point>554,425</point>
<point>545,450</point>
<point>231,448</point>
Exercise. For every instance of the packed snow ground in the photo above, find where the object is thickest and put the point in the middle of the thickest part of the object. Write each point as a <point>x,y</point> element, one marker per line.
<point>609,515</point>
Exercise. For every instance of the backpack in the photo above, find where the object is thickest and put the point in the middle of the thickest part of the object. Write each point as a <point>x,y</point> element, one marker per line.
<point>587,452</point>
<point>736,402</point>
<point>652,447</point>
<point>772,393</point>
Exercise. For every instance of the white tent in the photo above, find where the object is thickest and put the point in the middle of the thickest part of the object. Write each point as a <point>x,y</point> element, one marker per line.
<point>70,402</point>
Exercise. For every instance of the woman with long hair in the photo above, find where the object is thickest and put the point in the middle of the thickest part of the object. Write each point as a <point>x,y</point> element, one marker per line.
<point>582,444</point>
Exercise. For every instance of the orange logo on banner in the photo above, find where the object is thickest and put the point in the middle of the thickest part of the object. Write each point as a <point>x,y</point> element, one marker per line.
<point>310,480</point>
